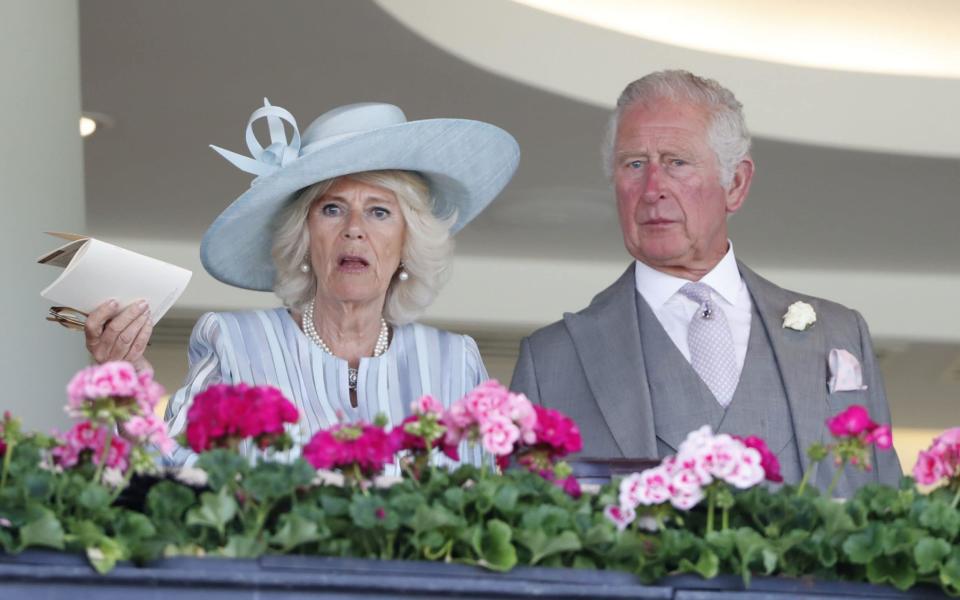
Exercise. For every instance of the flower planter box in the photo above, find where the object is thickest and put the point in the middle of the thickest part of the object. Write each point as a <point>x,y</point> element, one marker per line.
<point>55,576</point>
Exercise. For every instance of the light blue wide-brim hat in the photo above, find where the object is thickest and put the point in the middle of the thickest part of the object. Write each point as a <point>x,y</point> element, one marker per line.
<point>466,163</point>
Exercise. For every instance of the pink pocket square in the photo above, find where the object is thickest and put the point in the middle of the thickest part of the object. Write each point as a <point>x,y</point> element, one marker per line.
<point>845,372</point>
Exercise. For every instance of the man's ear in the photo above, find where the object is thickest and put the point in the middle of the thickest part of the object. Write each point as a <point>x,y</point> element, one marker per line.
<point>740,185</point>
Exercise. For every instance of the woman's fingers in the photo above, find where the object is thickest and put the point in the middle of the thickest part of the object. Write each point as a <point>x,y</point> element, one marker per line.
<point>122,330</point>
<point>139,345</point>
<point>93,328</point>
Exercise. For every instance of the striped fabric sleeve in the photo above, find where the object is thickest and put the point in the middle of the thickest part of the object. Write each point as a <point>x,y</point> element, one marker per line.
<point>204,355</point>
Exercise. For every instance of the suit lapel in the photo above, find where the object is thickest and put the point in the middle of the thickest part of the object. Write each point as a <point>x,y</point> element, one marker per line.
<point>607,338</point>
<point>800,357</point>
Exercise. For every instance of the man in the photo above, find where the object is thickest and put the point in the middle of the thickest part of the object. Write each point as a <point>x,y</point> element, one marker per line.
<point>688,335</point>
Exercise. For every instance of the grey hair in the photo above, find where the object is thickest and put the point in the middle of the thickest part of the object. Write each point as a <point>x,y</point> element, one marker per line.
<point>727,132</point>
<point>427,249</point>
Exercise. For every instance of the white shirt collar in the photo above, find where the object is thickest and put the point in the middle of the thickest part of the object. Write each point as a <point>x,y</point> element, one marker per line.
<point>657,287</point>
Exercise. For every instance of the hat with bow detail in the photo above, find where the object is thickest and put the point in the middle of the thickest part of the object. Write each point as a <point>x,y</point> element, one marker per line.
<point>466,163</point>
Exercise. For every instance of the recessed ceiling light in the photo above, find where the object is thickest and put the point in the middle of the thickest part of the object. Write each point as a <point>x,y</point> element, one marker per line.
<point>90,121</point>
<point>87,126</point>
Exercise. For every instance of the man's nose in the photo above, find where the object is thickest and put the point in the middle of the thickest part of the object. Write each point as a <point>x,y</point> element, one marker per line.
<point>652,187</point>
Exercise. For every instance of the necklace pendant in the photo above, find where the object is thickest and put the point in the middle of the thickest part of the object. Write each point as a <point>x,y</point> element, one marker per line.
<point>352,376</point>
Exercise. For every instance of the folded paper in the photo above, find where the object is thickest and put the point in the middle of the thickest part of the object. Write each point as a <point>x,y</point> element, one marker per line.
<point>95,271</point>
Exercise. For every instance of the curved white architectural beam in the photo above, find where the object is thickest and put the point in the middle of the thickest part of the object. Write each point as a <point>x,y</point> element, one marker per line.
<point>863,111</point>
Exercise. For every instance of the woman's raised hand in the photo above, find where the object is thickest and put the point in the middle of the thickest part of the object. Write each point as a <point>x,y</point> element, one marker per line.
<point>119,334</point>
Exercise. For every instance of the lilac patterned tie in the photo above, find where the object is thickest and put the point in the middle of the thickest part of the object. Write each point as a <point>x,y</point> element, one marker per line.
<point>711,344</point>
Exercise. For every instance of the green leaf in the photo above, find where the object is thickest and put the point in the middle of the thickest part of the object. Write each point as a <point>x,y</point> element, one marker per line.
<point>134,526</point>
<point>836,520</point>
<point>369,512</point>
<point>939,517</point>
<point>45,530</point>
<point>505,499</point>
<point>105,554</point>
<point>473,537</point>
<point>707,566</point>
<point>950,573</point>
<point>269,481</point>
<point>427,518</point>
<point>929,554</point>
<point>215,510</point>
<point>498,553</point>
<point>541,545</point>
<point>598,534</point>
<point>244,546</point>
<point>167,500</point>
<point>334,506</point>
<point>454,498</point>
<point>865,546</point>
<point>484,492</point>
<point>222,467</point>
<point>548,517</point>
<point>38,484</point>
<point>887,569</point>
<point>94,497</point>
<point>897,537</point>
<point>583,562</point>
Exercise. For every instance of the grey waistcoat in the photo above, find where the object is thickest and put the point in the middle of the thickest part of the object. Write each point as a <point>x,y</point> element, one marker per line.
<point>682,402</point>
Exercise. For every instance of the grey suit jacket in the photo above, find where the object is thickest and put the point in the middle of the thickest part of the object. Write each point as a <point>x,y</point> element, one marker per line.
<point>590,365</point>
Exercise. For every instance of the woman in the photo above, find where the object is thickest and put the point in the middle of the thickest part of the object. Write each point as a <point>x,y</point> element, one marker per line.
<point>351,228</point>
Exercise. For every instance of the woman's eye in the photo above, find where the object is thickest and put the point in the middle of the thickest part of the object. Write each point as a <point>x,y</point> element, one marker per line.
<point>380,212</point>
<point>678,162</point>
<point>330,210</point>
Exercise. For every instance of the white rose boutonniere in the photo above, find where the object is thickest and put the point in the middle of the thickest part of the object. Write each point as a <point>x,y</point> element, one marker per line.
<point>800,315</point>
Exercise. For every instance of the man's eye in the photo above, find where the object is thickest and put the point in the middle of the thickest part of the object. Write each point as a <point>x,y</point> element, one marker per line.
<point>636,164</point>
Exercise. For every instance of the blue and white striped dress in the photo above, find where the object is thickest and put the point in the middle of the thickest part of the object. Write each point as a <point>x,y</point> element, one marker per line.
<point>267,347</point>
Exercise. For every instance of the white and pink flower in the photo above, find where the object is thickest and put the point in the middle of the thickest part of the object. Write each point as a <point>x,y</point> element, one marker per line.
<point>621,516</point>
<point>683,479</point>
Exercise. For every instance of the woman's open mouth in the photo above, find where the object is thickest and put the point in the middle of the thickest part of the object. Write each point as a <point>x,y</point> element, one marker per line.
<point>352,263</point>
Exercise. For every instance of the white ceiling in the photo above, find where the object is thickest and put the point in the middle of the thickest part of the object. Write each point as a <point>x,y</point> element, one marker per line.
<point>179,75</point>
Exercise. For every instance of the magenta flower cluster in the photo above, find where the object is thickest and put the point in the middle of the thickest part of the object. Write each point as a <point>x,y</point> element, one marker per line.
<point>223,415</point>
<point>425,410</point>
<point>941,461</point>
<point>362,446</point>
<point>855,422</point>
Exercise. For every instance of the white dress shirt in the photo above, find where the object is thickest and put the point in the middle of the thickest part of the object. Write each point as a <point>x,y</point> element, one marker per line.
<point>675,311</point>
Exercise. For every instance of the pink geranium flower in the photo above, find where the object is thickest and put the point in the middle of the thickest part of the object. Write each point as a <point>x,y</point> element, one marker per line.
<point>881,437</point>
<point>493,415</point>
<point>851,422</point>
<point>941,460</point>
<point>88,439</point>
<point>498,433</point>
<point>768,460</point>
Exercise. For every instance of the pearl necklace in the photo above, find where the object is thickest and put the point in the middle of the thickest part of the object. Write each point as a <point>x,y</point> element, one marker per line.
<point>383,341</point>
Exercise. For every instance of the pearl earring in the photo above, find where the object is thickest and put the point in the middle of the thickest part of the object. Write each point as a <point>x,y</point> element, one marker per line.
<point>403,275</point>
<point>304,268</point>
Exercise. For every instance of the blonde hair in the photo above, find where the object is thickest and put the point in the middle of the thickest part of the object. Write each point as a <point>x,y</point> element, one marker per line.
<point>427,249</point>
